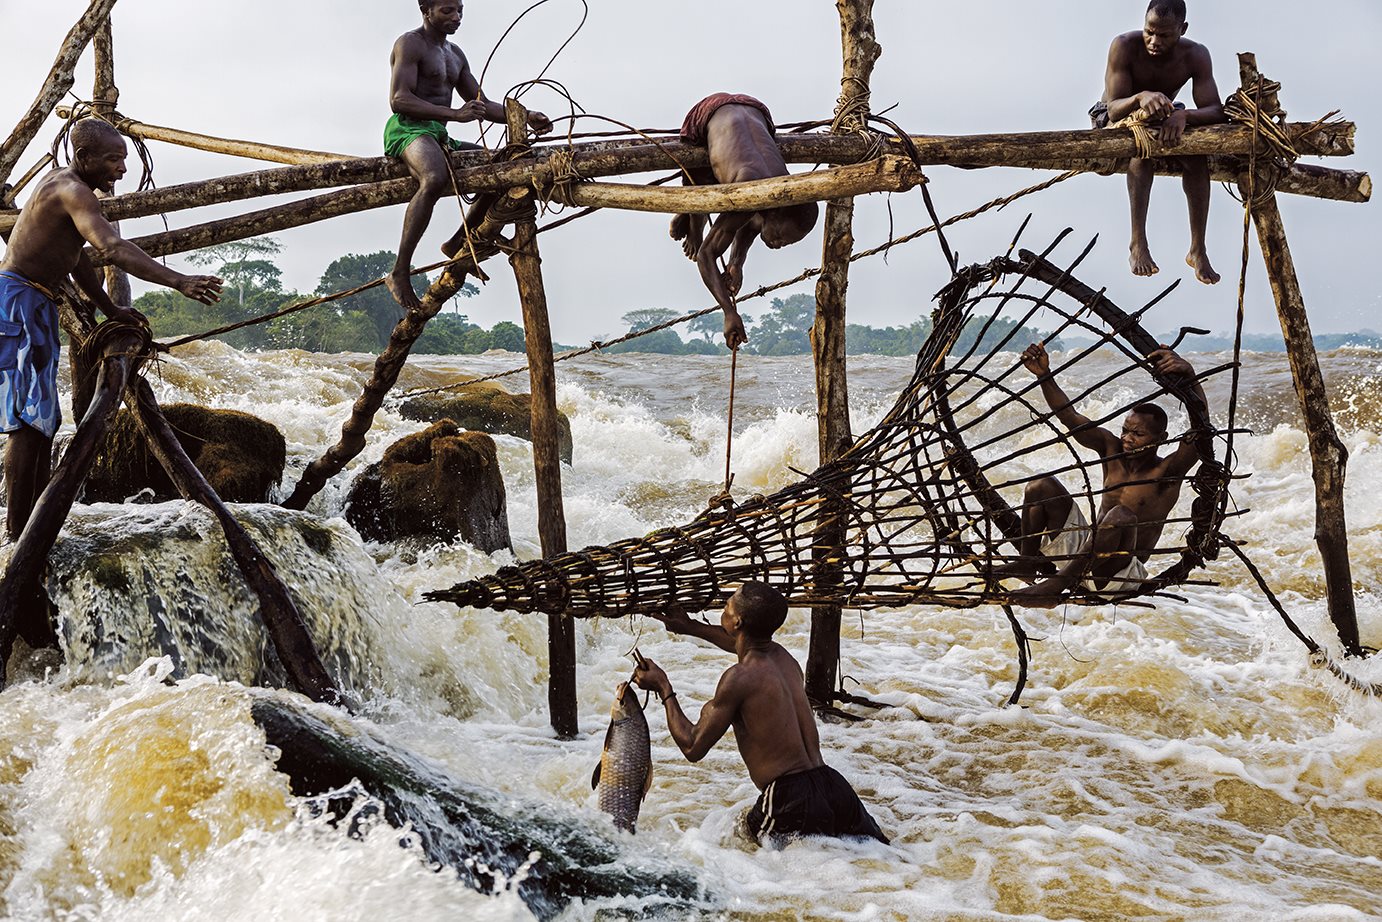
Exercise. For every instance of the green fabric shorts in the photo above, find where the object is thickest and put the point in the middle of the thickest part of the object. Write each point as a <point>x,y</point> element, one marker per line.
<point>402,131</point>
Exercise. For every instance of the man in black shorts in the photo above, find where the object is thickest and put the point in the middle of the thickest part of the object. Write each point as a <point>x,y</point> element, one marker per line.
<point>763,697</point>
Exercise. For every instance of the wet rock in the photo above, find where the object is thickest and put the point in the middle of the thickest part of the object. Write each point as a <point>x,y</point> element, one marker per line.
<point>486,408</point>
<point>485,836</point>
<point>242,456</point>
<point>436,485</point>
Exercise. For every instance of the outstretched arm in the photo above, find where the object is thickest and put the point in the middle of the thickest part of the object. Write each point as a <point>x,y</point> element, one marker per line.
<point>89,281</point>
<point>676,621</point>
<point>85,212</point>
<point>1167,363</point>
<point>694,740</point>
<point>1038,362</point>
<point>720,238</point>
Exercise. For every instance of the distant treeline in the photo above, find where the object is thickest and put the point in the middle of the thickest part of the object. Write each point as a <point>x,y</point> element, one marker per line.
<point>363,322</point>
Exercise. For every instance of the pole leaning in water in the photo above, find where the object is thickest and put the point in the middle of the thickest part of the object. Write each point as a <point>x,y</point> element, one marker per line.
<point>1328,454</point>
<point>551,515</point>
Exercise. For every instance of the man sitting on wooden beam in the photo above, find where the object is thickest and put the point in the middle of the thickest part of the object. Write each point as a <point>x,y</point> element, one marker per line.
<point>737,131</point>
<point>46,247</point>
<point>1145,72</point>
<point>427,69</point>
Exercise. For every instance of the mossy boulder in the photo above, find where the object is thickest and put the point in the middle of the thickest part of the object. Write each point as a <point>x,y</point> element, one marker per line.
<point>241,456</point>
<point>486,408</point>
<point>436,485</point>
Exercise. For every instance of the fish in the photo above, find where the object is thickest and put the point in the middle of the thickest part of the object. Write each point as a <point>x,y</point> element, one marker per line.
<point>625,771</point>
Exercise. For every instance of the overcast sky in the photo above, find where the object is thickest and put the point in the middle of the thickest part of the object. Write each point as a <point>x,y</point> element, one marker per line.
<point>316,75</point>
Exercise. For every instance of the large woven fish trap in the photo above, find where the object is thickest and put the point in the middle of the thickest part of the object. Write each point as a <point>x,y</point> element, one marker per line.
<point>924,506</point>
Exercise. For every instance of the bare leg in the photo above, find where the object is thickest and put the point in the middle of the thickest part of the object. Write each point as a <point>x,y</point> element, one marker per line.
<point>1045,510</point>
<point>690,228</point>
<point>1196,184</point>
<point>28,463</point>
<point>1140,177</point>
<point>427,164</point>
<point>1103,557</point>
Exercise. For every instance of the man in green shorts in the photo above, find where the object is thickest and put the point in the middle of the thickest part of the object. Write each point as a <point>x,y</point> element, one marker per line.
<point>427,69</point>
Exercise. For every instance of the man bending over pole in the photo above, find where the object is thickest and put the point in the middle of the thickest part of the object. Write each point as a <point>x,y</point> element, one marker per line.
<point>427,69</point>
<point>45,248</point>
<point>737,131</point>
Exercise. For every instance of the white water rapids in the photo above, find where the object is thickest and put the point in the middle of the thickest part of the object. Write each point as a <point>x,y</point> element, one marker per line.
<point>1178,763</point>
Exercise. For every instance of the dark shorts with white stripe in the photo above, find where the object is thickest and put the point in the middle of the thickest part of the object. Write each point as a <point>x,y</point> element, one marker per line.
<point>816,802</point>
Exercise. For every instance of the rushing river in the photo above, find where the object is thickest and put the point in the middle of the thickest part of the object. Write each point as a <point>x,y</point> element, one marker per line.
<point>1178,763</point>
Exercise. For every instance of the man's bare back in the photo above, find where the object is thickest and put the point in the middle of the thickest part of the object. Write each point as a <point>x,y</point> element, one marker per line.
<point>774,726</point>
<point>738,137</point>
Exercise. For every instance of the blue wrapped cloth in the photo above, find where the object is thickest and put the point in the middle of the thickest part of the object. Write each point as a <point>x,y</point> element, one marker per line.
<point>29,349</point>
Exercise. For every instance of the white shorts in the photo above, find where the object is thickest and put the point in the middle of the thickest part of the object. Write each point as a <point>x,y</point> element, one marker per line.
<point>1067,543</point>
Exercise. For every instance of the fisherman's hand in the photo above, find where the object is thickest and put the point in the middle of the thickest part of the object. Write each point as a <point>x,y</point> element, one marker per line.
<point>675,619</point>
<point>1173,129</point>
<point>128,315</point>
<point>1156,105</point>
<point>1036,360</point>
<point>650,677</point>
<point>203,288</point>
<point>540,123</point>
<point>734,330</point>
<point>472,111</point>
<point>1166,362</point>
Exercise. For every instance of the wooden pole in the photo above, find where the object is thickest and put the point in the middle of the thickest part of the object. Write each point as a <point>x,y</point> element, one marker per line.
<point>551,516</point>
<point>860,50</point>
<point>1091,150</point>
<point>1328,454</point>
<point>105,96</point>
<point>123,350</point>
<point>283,622</point>
<point>251,150</point>
<point>60,80</point>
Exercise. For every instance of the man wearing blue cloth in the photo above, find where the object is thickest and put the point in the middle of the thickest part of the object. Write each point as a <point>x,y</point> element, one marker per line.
<point>45,248</point>
<point>426,71</point>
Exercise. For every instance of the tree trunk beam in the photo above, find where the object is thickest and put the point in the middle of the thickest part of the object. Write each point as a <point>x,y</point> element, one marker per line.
<point>282,620</point>
<point>1062,150</point>
<point>886,174</point>
<point>60,79</point>
<point>251,150</point>
<point>123,349</point>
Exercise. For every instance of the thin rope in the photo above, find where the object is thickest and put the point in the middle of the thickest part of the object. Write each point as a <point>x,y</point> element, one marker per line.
<point>729,435</point>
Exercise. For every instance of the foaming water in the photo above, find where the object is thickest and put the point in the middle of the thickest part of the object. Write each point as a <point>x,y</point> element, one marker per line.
<point>1182,762</point>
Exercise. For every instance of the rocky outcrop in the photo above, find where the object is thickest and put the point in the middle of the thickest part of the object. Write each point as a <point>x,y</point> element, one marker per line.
<point>485,408</point>
<point>242,456</point>
<point>436,485</point>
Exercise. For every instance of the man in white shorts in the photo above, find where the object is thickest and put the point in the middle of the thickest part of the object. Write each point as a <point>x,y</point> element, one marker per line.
<point>1058,548</point>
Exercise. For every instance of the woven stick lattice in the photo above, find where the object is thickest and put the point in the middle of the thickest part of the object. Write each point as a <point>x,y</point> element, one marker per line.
<point>920,509</point>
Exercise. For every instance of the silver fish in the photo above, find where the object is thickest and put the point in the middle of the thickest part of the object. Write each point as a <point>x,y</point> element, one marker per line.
<point>625,772</point>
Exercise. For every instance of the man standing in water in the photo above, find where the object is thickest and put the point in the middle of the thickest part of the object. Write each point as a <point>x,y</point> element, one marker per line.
<point>763,697</point>
<point>45,248</point>
<point>1140,489</point>
<point>1145,72</point>
<point>737,131</point>
<point>427,69</point>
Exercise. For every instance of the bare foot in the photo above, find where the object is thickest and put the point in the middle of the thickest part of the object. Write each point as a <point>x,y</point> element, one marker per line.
<point>450,248</point>
<point>400,285</point>
<point>1037,596</point>
<point>680,225</point>
<point>1199,261</point>
<point>688,229</point>
<point>1140,258</point>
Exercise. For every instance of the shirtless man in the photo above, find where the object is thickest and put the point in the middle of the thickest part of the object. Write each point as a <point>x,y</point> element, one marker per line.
<point>1145,72</point>
<point>764,698</point>
<point>427,69</point>
<point>738,133</point>
<point>46,246</point>
<point>1140,489</point>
